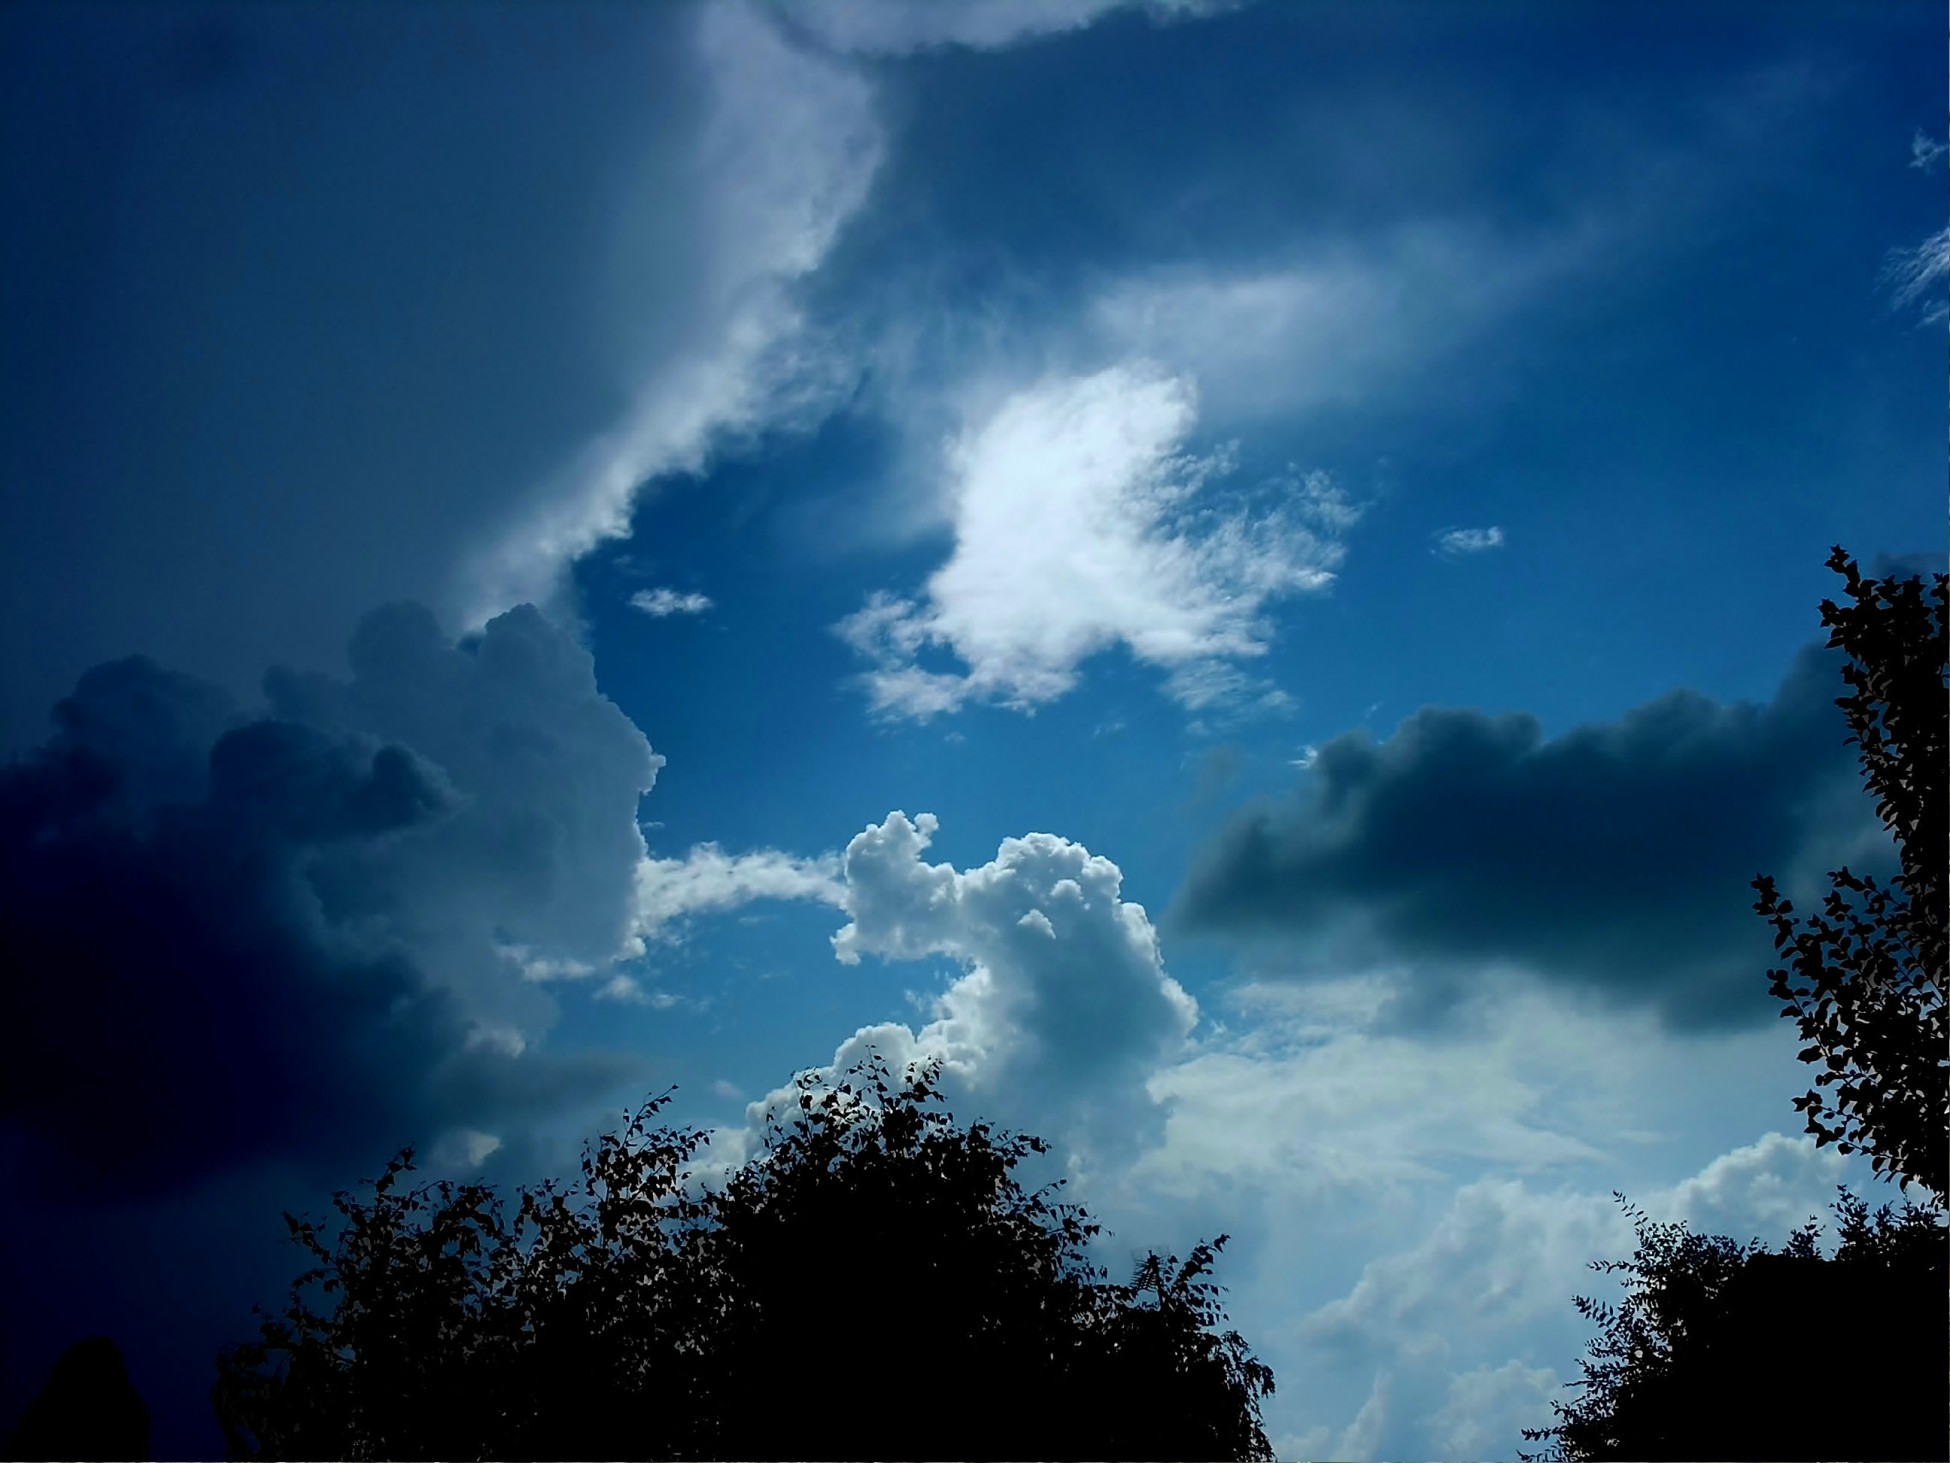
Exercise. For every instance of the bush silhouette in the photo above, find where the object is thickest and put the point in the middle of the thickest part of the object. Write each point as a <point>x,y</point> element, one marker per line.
<point>874,1284</point>
<point>88,1409</point>
<point>1868,975</point>
<point>1698,1360</point>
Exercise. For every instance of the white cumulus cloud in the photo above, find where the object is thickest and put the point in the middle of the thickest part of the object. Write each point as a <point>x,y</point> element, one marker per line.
<point>1062,1008</point>
<point>1080,524</point>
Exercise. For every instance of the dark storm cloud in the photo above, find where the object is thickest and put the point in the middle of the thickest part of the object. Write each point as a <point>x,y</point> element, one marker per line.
<point>226,937</point>
<point>1614,858</point>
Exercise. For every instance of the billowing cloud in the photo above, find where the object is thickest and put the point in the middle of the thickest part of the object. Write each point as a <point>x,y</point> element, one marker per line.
<point>1063,977</point>
<point>1457,543</point>
<point>550,300</point>
<point>230,936</point>
<point>1451,1335</point>
<point>895,28</point>
<point>1614,859</point>
<point>790,145</point>
<point>1063,1007</point>
<point>662,602</point>
<point>1081,524</point>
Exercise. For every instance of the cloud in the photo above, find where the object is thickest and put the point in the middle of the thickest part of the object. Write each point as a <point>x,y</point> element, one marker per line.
<point>232,936</point>
<point>898,28</point>
<point>1926,152</point>
<point>1339,325</point>
<point>661,602</point>
<point>554,299</point>
<point>1062,1009</point>
<point>1081,524</point>
<point>790,146</point>
<point>1911,274</point>
<point>1450,1333</point>
<point>1456,543</point>
<point>1063,977</point>
<point>708,880</point>
<point>1613,860</point>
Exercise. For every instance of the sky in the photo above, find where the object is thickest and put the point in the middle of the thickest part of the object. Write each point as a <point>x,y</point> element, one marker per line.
<point>1245,575</point>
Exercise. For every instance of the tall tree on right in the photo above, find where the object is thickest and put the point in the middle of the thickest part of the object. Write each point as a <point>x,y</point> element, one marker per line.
<point>1693,1363</point>
<point>1865,978</point>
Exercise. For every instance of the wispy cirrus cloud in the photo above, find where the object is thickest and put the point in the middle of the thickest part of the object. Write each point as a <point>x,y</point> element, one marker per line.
<point>1458,543</point>
<point>1081,523</point>
<point>1910,274</point>
<point>900,27</point>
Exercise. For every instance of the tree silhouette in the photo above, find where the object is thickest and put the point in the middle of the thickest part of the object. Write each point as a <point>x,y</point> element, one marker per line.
<point>88,1409</point>
<point>874,1284</point>
<point>1696,1361</point>
<point>1868,975</point>
<point>1693,1364</point>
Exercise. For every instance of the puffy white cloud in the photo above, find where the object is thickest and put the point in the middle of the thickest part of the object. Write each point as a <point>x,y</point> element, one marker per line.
<point>1467,1335</point>
<point>1063,979</point>
<point>898,27</point>
<point>1063,1006</point>
<point>1081,523</point>
<point>1456,543</point>
<point>788,148</point>
<point>661,602</point>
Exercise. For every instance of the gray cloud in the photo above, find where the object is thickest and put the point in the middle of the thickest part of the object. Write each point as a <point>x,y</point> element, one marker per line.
<point>231,936</point>
<point>1614,859</point>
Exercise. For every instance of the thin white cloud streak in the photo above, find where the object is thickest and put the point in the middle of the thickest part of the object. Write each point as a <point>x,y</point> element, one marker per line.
<point>790,149</point>
<point>662,602</point>
<point>1912,274</point>
<point>1337,325</point>
<point>1456,543</point>
<point>708,880</point>
<point>901,27</point>
<point>1081,523</point>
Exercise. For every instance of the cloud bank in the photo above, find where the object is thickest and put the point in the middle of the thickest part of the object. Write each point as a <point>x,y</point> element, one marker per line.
<point>234,936</point>
<point>1613,860</point>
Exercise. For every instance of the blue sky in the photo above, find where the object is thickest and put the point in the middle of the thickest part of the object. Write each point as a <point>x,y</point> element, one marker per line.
<point>1245,574</point>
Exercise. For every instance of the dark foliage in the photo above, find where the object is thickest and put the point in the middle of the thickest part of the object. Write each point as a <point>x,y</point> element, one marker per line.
<point>1693,1363</point>
<point>88,1409</point>
<point>1868,974</point>
<point>874,1284</point>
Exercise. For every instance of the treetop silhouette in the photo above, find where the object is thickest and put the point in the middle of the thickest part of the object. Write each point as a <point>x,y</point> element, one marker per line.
<point>875,1283</point>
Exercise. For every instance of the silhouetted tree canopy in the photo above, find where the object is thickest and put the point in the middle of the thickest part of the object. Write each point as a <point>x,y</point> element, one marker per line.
<point>1730,1352</point>
<point>88,1409</point>
<point>1727,1352</point>
<point>874,1284</point>
<point>1867,976</point>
